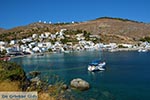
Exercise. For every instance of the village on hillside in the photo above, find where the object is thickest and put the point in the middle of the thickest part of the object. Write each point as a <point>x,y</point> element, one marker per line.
<point>64,41</point>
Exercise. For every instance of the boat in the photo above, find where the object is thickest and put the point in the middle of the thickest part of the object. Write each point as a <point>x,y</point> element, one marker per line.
<point>40,54</point>
<point>142,50</point>
<point>5,58</point>
<point>96,66</point>
<point>66,51</point>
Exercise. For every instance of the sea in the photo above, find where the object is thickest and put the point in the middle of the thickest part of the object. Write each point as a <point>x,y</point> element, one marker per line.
<point>127,74</point>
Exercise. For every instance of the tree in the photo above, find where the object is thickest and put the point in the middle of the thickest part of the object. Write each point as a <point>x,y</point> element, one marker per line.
<point>3,52</point>
<point>145,39</point>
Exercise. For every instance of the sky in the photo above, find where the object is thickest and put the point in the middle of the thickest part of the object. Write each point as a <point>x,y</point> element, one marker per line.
<point>15,13</point>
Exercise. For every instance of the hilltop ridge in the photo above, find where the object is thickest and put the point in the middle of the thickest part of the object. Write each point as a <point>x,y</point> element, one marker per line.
<point>2,29</point>
<point>111,29</point>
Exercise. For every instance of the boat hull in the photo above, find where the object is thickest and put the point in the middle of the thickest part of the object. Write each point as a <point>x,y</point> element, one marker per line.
<point>99,67</point>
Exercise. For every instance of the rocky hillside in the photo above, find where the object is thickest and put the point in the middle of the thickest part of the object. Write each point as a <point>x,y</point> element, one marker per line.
<point>114,29</point>
<point>111,29</point>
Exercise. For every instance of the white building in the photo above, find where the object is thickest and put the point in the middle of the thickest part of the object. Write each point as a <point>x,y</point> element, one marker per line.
<point>34,36</point>
<point>2,43</point>
<point>47,34</point>
<point>36,49</point>
<point>110,46</point>
<point>127,45</point>
<point>26,40</point>
<point>2,48</point>
<point>12,42</point>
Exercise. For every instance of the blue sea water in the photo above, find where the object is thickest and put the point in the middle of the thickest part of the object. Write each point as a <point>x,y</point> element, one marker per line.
<point>127,76</point>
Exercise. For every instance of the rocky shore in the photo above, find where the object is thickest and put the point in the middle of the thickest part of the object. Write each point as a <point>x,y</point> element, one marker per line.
<point>13,78</point>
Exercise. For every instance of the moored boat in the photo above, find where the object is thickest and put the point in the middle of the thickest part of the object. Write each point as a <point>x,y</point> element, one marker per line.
<point>96,66</point>
<point>142,50</point>
<point>5,58</point>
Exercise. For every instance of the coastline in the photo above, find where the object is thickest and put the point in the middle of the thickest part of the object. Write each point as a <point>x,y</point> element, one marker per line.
<point>35,54</point>
<point>104,49</point>
<point>123,49</point>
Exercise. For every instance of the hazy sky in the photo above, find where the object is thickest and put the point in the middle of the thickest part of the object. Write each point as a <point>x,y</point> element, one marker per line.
<point>22,12</point>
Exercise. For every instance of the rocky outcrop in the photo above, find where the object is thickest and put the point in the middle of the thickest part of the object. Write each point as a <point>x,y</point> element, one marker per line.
<point>34,73</point>
<point>79,84</point>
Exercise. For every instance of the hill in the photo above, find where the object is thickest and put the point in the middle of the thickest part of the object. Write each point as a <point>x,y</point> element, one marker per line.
<point>110,29</point>
<point>1,30</point>
<point>114,28</point>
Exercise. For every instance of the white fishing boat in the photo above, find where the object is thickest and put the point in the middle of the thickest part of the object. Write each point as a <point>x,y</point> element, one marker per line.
<point>142,50</point>
<point>96,66</point>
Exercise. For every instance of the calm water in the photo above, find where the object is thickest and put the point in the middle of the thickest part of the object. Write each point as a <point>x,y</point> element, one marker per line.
<point>127,76</point>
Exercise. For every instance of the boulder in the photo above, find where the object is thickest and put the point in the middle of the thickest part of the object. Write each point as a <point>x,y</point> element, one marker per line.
<point>64,87</point>
<point>36,81</point>
<point>79,84</point>
<point>34,73</point>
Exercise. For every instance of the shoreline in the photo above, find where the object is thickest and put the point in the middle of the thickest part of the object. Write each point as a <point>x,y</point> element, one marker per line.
<point>109,50</point>
<point>127,49</point>
<point>34,54</point>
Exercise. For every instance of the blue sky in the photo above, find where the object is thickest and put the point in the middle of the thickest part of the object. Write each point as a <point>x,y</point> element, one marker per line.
<point>22,12</point>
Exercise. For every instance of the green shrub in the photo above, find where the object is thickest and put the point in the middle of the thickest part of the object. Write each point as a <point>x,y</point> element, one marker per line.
<point>11,71</point>
<point>145,39</point>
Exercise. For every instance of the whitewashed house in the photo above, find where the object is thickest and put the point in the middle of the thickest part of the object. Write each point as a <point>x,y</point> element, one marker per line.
<point>88,47</point>
<point>90,43</point>
<point>29,51</point>
<point>23,47</point>
<point>2,43</point>
<point>42,36</point>
<point>13,42</point>
<point>47,34</point>
<point>52,36</point>
<point>80,37</point>
<point>44,44</point>
<point>143,44</point>
<point>27,40</point>
<point>62,32</point>
<point>15,48</point>
<point>36,49</point>
<point>127,45</point>
<point>110,46</point>
<point>47,44</point>
<point>97,46</point>
<point>82,42</point>
<point>40,45</point>
<point>147,45</point>
<point>2,48</point>
<point>34,36</point>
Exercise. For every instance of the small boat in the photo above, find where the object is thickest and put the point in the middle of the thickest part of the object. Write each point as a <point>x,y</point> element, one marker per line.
<point>40,54</point>
<point>66,51</point>
<point>142,50</point>
<point>96,66</point>
<point>5,58</point>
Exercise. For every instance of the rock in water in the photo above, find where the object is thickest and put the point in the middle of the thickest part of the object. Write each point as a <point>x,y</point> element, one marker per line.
<point>34,73</point>
<point>79,84</point>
